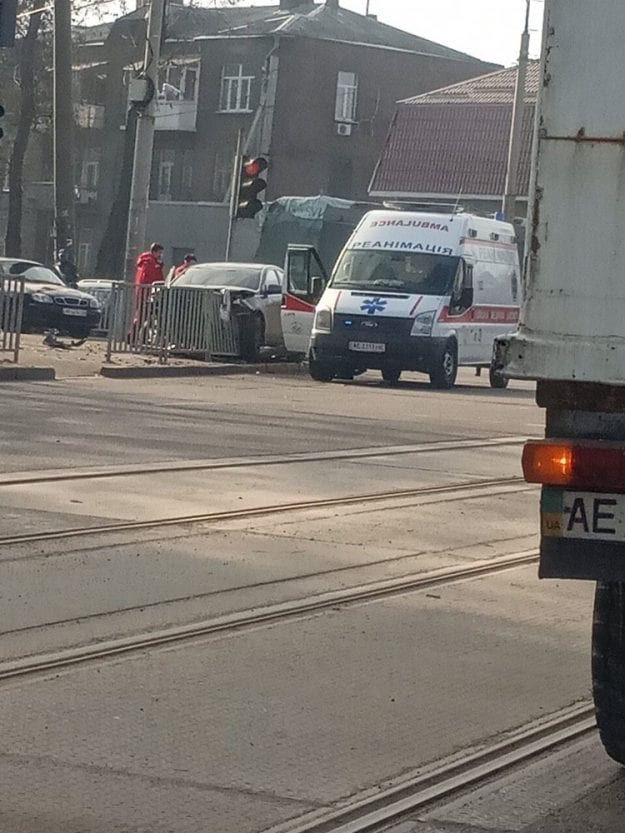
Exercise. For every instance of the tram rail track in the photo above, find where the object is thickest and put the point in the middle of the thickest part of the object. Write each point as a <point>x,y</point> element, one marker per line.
<point>375,811</point>
<point>466,490</point>
<point>262,616</point>
<point>39,477</point>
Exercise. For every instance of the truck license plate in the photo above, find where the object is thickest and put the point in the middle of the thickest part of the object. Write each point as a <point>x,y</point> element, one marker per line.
<point>586,515</point>
<point>79,313</point>
<point>367,346</point>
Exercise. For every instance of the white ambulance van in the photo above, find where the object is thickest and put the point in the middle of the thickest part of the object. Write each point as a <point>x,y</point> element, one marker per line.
<point>410,291</point>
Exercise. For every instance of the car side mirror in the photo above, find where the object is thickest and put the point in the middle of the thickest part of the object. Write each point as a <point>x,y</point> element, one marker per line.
<point>273,289</point>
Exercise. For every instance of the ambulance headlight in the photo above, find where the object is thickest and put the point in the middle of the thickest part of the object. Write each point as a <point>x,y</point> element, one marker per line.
<point>423,324</point>
<point>323,320</point>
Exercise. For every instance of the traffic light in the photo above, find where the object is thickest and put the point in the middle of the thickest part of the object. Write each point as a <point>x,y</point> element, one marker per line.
<point>1,116</point>
<point>8,16</point>
<point>250,186</point>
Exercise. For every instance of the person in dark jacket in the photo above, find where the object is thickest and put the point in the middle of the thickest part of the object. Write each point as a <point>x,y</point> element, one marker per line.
<point>66,268</point>
<point>150,266</point>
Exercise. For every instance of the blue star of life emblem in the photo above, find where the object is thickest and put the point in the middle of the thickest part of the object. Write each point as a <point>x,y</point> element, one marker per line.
<point>373,305</point>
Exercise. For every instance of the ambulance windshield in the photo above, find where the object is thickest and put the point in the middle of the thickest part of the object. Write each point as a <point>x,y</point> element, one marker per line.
<point>414,273</point>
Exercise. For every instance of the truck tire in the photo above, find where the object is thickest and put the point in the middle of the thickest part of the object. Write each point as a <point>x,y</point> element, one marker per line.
<point>608,667</point>
<point>496,378</point>
<point>443,373</point>
<point>320,371</point>
<point>391,375</point>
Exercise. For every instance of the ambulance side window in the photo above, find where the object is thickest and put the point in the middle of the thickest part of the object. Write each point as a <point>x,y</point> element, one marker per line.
<point>462,295</point>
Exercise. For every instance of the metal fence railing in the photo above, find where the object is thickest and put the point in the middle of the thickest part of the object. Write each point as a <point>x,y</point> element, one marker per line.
<point>11,313</point>
<point>166,320</point>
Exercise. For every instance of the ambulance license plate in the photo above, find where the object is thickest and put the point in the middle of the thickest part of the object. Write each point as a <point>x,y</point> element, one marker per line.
<point>367,346</point>
<point>587,515</point>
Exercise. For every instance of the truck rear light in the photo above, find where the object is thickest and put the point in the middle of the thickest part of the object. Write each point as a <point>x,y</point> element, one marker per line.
<point>594,467</point>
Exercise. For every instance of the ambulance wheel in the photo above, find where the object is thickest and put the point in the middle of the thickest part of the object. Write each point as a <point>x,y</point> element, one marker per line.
<point>497,379</point>
<point>320,371</point>
<point>391,375</point>
<point>445,368</point>
<point>608,667</point>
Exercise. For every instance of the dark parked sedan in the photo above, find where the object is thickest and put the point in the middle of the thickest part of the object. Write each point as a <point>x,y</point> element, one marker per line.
<point>48,303</point>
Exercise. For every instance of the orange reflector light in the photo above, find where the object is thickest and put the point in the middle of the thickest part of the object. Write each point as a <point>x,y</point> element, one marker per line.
<point>550,463</point>
<point>590,466</point>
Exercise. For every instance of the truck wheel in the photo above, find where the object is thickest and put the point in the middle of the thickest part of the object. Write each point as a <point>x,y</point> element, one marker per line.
<point>391,375</point>
<point>497,379</point>
<point>445,369</point>
<point>608,667</point>
<point>320,371</point>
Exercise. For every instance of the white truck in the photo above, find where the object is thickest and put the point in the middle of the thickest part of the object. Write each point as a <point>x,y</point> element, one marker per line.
<point>571,335</point>
<point>411,290</point>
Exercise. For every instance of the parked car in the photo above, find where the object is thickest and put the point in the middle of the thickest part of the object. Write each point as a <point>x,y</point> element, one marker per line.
<point>102,290</point>
<point>256,292</point>
<point>48,303</point>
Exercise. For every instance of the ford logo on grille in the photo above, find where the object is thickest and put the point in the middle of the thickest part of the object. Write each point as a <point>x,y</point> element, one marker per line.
<point>370,324</point>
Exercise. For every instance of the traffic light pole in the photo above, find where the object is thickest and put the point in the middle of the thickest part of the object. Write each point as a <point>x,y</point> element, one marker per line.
<point>63,126</point>
<point>144,143</point>
<point>234,194</point>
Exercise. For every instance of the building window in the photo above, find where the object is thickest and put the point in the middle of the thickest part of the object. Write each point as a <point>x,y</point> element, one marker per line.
<point>90,175</point>
<point>236,89</point>
<point>222,174</point>
<point>165,177</point>
<point>187,181</point>
<point>346,97</point>
<point>178,83</point>
<point>84,252</point>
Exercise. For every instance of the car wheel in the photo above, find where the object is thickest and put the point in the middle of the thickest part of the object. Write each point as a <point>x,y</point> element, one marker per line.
<point>608,667</point>
<point>391,375</point>
<point>443,373</point>
<point>253,339</point>
<point>321,371</point>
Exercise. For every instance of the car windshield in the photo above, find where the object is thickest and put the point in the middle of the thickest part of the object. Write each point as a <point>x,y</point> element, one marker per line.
<point>412,272</point>
<point>245,277</point>
<point>33,273</point>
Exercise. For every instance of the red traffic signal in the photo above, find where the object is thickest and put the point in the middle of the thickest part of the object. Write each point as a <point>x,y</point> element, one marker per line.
<point>250,186</point>
<point>255,167</point>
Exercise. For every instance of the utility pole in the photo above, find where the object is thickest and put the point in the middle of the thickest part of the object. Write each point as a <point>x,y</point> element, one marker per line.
<point>234,193</point>
<point>63,127</point>
<point>144,141</point>
<point>511,191</point>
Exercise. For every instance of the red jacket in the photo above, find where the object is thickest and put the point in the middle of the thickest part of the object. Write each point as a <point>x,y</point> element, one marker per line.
<point>149,270</point>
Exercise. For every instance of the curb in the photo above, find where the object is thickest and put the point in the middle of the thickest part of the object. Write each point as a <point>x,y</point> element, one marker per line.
<point>9,373</point>
<point>181,371</point>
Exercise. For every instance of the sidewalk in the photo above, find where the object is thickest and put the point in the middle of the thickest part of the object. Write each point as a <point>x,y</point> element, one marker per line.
<point>38,361</point>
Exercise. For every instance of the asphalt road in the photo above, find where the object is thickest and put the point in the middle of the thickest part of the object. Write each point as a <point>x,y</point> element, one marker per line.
<point>245,729</point>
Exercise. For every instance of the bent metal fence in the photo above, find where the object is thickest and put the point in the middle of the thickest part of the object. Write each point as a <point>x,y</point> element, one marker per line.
<point>11,313</point>
<point>163,320</point>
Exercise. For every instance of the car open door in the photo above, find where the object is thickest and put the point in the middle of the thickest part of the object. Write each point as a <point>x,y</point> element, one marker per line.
<point>305,280</point>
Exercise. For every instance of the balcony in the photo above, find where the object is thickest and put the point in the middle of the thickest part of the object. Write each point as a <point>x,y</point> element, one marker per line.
<point>89,116</point>
<point>176,114</point>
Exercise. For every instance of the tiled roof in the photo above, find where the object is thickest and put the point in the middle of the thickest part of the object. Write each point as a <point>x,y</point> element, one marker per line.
<point>494,88</point>
<point>313,20</point>
<point>451,150</point>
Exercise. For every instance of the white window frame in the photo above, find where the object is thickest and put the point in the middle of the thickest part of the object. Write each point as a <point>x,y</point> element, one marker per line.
<point>346,105</point>
<point>90,176</point>
<point>185,70</point>
<point>84,252</point>
<point>236,90</point>
<point>165,171</point>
